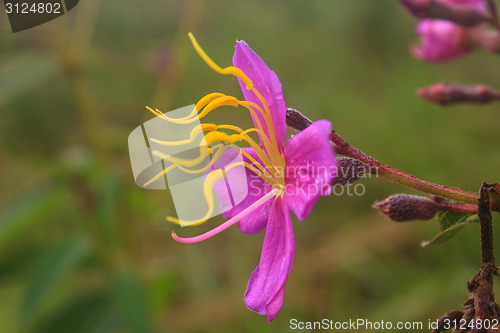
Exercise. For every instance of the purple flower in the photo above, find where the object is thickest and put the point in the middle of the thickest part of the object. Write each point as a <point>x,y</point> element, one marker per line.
<point>281,176</point>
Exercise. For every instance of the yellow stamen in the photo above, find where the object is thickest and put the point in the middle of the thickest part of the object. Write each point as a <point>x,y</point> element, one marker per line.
<point>217,100</point>
<point>223,137</point>
<point>212,127</point>
<point>207,99</point>
<point>231,70</point>
<point>272,149</point>
<point>261,171</point>
<point>216,136</point>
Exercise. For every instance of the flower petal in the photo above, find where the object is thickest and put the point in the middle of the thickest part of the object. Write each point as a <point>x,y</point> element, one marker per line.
<point>311,167</point>
<point>256,189</point>
<point>267,283</point>
<point>267,83</point>
<point>440,41</point>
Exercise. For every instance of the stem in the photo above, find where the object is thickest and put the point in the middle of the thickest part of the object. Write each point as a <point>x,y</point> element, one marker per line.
<point>448,206</point>
<point>396,176</point>
<point>299,122</point>
<point>484,214</point>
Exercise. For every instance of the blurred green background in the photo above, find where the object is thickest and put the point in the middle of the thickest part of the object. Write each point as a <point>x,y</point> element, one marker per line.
<point>83,249</point>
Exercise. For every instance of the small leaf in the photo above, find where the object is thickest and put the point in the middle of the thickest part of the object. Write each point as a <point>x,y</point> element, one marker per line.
<point>449,224</point>
<point>447,219</point>
<point>53,267</point>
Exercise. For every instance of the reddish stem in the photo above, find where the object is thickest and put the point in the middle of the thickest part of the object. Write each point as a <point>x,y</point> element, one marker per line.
<point>445,205</point>
<point>297,121</point>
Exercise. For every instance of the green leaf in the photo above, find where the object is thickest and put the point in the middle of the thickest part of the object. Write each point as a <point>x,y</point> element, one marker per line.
<point>132,303</point>
<point>55,264</point>
<point>449,224</point>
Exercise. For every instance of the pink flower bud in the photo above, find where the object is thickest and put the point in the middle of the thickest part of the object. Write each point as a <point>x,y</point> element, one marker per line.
<point>446,93</point>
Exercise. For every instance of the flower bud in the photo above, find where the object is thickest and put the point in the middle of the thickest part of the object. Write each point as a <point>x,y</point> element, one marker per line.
<point>445,93</point>
<point>349,170</point>
<point>405,207</point>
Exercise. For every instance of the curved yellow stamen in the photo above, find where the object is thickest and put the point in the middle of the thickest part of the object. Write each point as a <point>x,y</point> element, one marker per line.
<point>207,99</point>
<point>201,103</point>
<point>231,70</point>
<point>223,137</point>
<point>216,100</point>
<point>216,136</point>
<point>193,116</point>
<point>207,191</point>
<point>179,166</point>
<point>272,149</point>
<point>260,170</point>
<point>262,155</point>
<point>228,70</point>
<point>212,127</point>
